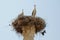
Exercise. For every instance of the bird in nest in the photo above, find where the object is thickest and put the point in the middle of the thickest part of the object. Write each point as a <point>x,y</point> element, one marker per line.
<point>22,14</point>
<point>34,11</point>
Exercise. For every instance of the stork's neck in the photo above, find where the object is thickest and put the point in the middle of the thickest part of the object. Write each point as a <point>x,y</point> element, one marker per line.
<point>35,6</point>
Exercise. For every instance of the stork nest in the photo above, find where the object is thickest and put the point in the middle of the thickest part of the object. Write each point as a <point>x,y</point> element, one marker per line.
<point>28,20</point>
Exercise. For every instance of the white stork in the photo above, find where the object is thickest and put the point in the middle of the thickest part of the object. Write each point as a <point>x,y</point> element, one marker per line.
<point>34,11</point>
<point>22,14</point>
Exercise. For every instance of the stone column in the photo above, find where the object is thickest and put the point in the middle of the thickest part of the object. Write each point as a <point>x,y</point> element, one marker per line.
<point>28,32</point>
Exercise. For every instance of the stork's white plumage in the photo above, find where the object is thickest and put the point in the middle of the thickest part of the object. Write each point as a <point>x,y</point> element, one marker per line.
<point>22,14</point>
<point>34,11</point>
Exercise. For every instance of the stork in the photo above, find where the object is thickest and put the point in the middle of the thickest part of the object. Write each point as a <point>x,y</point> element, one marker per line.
<point>22,14</point>
<point>34,11</point>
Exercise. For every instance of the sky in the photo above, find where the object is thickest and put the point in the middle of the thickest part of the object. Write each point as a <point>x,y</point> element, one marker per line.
<point>49,10</point>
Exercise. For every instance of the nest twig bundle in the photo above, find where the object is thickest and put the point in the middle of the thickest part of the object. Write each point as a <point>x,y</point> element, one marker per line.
<point>24,21</point>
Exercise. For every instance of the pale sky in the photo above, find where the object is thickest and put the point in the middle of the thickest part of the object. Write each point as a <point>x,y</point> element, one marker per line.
<point>49,10</point>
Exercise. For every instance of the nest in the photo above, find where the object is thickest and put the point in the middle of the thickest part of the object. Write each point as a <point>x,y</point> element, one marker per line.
<point>24,21</point>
